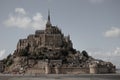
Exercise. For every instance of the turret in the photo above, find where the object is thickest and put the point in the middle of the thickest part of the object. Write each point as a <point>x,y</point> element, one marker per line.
<point>47,69</point>
<point>93,68</point>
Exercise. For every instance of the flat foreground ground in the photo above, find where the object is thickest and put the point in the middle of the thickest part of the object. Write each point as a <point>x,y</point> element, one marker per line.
<point>63,77</point>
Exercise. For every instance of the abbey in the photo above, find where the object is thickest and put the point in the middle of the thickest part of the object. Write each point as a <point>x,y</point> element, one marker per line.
<point>50,52</point>
<point>51,38</point>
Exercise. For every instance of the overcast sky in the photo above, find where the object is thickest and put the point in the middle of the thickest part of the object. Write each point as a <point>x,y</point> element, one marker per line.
<point>94,25</point>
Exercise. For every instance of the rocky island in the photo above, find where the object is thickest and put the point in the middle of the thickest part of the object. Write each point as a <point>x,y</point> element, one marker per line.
<point>50,52</point>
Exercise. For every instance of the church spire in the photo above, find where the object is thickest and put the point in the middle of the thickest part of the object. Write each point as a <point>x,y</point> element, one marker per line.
<point>48,24</point>
<point>49,15</point>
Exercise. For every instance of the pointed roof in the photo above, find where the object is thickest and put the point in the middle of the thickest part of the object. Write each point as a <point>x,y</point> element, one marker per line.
<point>48,21</point>
<point>49,15</point>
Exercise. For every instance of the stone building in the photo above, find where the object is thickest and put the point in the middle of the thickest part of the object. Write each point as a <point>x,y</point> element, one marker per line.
<point>51,37</point>
<point>50,52</point>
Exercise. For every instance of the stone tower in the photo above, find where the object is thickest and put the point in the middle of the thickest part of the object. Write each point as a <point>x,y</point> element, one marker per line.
<point>93,68</point>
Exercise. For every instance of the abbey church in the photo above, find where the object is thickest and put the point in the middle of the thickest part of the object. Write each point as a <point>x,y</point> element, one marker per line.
<point>50,52</point>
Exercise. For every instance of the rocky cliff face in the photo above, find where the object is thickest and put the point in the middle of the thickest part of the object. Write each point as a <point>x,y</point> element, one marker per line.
<point>49,44</point>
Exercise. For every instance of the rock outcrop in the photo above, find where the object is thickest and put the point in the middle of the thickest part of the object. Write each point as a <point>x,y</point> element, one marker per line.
<point>49,51</point>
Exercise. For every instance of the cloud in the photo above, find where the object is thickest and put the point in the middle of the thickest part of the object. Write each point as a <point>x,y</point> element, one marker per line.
<point>21,19</point>
<point>2,54</point>
<point>38,21</point>
<point>20,11</point>
<point>96,1</point>
<point>18,21</point>
<point>113,32</point>
<point>116,52</point>
<point>112,56</point>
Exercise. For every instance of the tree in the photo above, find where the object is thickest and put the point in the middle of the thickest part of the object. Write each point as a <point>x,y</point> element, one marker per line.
<point>9,62</point>
<point>85,54</point>
<point>23,52</point>
<point>9,56</point>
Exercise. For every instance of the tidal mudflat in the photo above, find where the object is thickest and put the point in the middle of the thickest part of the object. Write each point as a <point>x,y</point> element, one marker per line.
<point>63,77</point>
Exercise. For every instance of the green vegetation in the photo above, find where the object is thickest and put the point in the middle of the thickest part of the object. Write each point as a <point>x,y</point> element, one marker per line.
<point>85,54</point>
<point>23,52</point>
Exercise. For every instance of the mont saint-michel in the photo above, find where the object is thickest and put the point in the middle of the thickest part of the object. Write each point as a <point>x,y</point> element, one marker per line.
<point>49,51</point>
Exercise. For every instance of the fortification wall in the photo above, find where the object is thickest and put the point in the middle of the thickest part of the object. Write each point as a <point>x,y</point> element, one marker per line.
<point>95,69</point>
<point>73,70</point>
<point>103,70</point>
<point>36,71</point>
